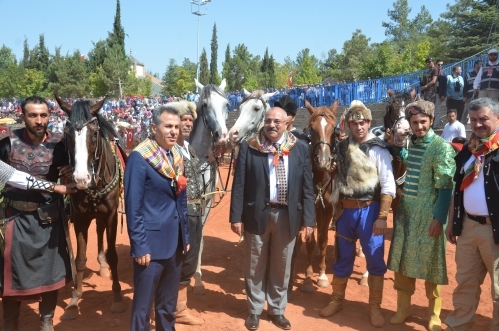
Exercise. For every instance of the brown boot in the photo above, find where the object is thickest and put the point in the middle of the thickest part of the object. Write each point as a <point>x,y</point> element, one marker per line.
<point>336,304</point>
<point>375,298</point>
<point>182,313</point>
<point>10,314</point>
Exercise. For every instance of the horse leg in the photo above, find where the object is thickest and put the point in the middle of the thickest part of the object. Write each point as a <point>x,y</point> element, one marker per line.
<point>322,237</point>
<point>307,286</point>
<point>71,312</point>
<point>199,288</point>
<point>101,256</point>
<point>118,305</point>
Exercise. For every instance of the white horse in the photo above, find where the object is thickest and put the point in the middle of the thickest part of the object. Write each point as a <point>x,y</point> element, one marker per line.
<point>209,130</point>
<point>252,109</point>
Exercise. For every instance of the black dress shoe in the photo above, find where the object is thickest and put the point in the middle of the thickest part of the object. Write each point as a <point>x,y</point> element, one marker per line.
<point>280,321</point>
<point>252,322</point>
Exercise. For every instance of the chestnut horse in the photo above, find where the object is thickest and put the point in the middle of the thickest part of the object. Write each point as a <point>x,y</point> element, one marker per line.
<point>320,130</point>
<point>98,176</point>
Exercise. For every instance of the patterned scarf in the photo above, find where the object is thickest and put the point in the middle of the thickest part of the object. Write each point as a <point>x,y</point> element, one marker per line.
<point>479,147</point>
<point>260,143</point>
<point>156,156</point>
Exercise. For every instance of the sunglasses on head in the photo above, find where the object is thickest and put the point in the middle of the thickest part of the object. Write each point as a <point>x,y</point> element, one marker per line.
<point>415,110</point>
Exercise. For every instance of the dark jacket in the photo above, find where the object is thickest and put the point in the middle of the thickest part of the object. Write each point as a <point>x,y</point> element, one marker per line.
<point>491,186</point>
<point>251,193</point>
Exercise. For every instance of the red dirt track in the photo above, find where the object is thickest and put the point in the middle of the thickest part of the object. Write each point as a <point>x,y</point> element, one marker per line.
<point>224,305</point>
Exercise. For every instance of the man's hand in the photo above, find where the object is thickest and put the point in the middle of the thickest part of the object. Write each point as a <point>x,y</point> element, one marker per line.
<point>333,167</point>
<point>435,229</point>
<point>66,171</point>
<point>143,260</point>
<point>65,189</point>
<point>388,136</point>
<point>379,227</point>
<point>306,232</point>
<point>448,234</point>
<point>187,247</point>
<point>237,228</point>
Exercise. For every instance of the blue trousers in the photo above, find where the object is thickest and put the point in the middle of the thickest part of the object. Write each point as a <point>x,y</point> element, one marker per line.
<point>357,223</point>
<point>159,281</point>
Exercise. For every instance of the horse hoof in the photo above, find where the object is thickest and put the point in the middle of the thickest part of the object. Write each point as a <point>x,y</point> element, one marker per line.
<point>105,273</point>
<point>199,290</point>
<point>70,313</point>
<point>363,281</point>
<point>118,307</point>
<point>307,286</point>
<point>324,283</point>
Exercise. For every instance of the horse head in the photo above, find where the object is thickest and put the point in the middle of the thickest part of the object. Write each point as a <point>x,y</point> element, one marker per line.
<point>84,140</point>
<point>252,109</point>
<point>213,109</point>
<point>321,124</point>
<point>394,119</point>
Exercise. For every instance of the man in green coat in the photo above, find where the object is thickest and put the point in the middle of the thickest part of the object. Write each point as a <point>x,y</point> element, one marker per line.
<point>418,244</point>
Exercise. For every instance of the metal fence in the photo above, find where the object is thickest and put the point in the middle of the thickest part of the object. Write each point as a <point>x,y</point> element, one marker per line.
<point>367,91</point>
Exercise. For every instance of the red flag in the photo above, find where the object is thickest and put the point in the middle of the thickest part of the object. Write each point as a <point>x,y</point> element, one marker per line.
<point>290,82</point>
<point>129,137</point>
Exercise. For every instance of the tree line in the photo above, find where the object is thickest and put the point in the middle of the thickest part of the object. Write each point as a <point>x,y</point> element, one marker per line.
<point>463,30</point>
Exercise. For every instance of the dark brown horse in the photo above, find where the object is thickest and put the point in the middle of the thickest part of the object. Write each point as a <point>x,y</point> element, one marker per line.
<point>98,176</point>
<point>394,112</point>
<point>321,124</point>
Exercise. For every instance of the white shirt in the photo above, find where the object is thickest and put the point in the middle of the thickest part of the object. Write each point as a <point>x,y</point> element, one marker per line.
<point>383,159</point>
<point>273,174</point>
<point>185,150</point>
<point>453,130</point>
<point>474,195</point>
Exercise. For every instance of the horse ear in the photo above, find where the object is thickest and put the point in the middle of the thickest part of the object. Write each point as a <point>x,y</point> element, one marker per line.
<point>334,107</point>
<point>391,93</point>
<point>309,107</point>
<point>95,108</point>
<point>246,93</point>
<point>223,84</point>
<point>198,84</point>
<point>413,93</point>
<point>267,96</point>
<point>63,104</point>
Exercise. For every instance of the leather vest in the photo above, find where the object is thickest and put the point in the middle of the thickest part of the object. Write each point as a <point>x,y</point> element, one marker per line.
<point>490,82</point>
<point>194,187</point>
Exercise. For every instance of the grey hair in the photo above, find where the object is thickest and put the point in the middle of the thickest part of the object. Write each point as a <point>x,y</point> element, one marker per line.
<point>158,111</point>
<point>480,103</point>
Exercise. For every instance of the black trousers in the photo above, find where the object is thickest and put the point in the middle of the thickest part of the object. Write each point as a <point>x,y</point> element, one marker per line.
<point>190,262</point>
<point>458,105</point>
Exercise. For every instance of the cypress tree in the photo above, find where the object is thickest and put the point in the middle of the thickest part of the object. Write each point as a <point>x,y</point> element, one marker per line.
<point>214,57</point>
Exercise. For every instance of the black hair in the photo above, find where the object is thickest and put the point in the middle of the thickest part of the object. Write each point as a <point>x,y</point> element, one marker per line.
<point>36,100</point>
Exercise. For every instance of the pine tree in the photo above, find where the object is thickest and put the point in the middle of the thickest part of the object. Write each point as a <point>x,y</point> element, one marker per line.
<point>25,61</point>
<point>226,67</point>
<point>214,79</point>
<point>6,57</point>
<point>204,73</point>
<point>117,37</point>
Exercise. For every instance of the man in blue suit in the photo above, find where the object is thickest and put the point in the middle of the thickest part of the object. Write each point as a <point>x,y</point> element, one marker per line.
<point>156,209</point>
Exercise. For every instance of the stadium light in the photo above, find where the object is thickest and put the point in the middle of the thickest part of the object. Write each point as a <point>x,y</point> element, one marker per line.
<point>198,8</point>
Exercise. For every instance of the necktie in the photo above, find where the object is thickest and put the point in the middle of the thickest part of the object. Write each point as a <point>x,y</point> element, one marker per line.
<point>282,184</point>
<point>169,156</point>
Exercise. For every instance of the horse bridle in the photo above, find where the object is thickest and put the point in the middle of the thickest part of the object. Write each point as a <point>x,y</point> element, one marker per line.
<point>313,147</point>
<point>260,120</point>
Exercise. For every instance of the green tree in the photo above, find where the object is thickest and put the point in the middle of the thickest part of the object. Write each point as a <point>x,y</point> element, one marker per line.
<point>307,68</point>
<point>98,83</point>
<point>25,61</point>
<point>72,77</point>
<point>474,26</point>
<point>354,52</point>
<point>117,36</point>
<point>116,66</point>
<point>271,72</point>
<point>214,78</point>
<point>31,82</point>
<point>239,67</point>
<point>97,55</point>
<point>204,73</point>
<point>7,57</point>
<point>9,80</point>
<point>226,65</point>
<point>170,76</point>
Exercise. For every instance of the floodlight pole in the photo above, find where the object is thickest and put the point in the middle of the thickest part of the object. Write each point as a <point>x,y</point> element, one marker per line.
<point>196,6</point>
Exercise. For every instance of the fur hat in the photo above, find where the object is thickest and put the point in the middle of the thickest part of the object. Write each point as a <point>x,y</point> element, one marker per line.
<point>184,107</point>
<point>358,111</point>
<point>288,104</point>
<point>420,106</point>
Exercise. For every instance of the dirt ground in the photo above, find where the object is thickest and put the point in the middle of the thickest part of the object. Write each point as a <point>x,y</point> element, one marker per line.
<point>224,305</point>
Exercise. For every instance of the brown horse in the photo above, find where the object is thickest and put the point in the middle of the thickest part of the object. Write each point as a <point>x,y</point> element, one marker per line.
<point>98,176</point>
<point>321,124</point>
<point>394,112</point>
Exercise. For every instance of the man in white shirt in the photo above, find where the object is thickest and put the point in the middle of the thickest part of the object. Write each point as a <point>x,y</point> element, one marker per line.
<point>453,128</point>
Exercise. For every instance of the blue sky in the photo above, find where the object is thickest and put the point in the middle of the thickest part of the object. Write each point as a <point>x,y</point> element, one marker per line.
<point>162,29</point>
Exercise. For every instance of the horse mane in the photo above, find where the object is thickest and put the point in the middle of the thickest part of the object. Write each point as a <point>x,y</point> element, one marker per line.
<point>80,113</point>
<point>205,95</point>
<point>330,118</point>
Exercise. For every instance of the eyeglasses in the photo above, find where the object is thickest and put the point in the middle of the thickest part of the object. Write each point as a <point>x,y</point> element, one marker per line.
<point>269,121</point>
<point>414,111</point>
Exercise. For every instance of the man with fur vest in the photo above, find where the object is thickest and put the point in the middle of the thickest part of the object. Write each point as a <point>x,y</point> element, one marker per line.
<point>365,187</point>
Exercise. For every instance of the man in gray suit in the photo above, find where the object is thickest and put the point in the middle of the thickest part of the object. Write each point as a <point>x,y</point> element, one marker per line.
<point>267,208</point>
